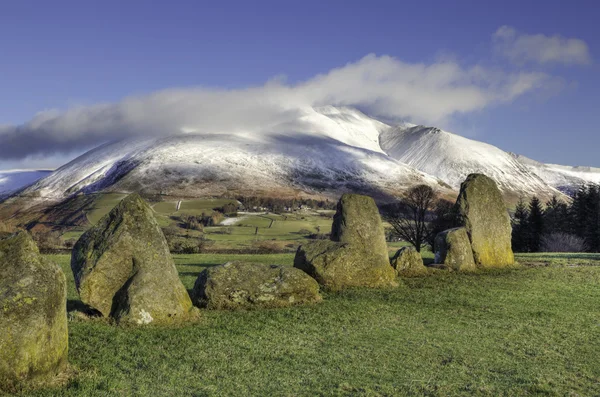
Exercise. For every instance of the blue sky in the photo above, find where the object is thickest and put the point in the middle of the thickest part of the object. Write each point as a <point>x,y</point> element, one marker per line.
<point>60,55</point>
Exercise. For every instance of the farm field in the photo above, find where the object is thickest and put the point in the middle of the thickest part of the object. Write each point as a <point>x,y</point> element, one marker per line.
<point>527,331</point>
<point>242,232</point>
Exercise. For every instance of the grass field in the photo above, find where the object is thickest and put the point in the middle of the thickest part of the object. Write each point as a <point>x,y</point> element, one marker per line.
<point>242,234</point>
<point>527,331</point>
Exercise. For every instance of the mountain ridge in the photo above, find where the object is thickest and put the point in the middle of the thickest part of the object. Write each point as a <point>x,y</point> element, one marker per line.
<point>320,151</point>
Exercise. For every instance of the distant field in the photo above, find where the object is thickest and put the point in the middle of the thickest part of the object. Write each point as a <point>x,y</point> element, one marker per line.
<point>527,331</point>
<point>102,206</point>
<point>242,233</point>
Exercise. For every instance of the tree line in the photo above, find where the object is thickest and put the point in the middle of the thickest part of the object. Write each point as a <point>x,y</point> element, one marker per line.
<point>557,226</point>
<point>554,226</point>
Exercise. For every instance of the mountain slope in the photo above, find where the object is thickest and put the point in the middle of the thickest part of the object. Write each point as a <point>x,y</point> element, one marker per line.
<point>452,157</point>
<point>322,151</point>
<point>318,152</point>
<point>562,177</point>
<point>13,180</point>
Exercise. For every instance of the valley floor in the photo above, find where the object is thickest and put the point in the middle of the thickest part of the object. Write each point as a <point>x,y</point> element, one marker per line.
<point>528,331</point>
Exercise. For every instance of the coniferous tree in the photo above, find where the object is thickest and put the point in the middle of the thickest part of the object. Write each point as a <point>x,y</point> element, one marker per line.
<point>556,217</point>
<point>535,224</point>
<point>519,227</point>
<point>592,225</point>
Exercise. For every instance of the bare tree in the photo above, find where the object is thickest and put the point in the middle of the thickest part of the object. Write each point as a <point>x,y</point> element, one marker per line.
<point>409,216</point>
<point>562,242</point>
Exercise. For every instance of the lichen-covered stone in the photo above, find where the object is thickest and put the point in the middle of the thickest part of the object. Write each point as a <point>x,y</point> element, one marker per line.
<point>33,315</point>
<point>338,265</point>
<point>123,268</point>
<point>409,263</point>
<point>242,285</point>
<point>357,222</point>
<point>453,250</point>
<point>482,211</point>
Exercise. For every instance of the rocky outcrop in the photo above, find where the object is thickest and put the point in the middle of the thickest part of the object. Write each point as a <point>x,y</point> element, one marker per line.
<point>453,250</point>
<point>357,256</point>
<point>483,213</point>
<point>33,315</point>
<point>123,268</point>
<point>409,263</point>
<point>243,285</point>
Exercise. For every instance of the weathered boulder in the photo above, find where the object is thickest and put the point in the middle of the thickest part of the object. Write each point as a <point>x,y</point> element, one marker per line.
<point>33,315</point>
<point>453,250</point>
<point>338,265</point>
<point>357,222</point>
<point>238,285</point>
<point>409,263</point>
<point>482,211</point>
<point>357,256</point>
<point>123,268</point>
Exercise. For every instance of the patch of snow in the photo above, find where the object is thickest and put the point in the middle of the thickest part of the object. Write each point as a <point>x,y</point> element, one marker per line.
<point>13,180</point>
<point>232,220</point>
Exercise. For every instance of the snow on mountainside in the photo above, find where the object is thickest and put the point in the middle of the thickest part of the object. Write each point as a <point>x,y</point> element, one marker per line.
<point>321,151</point>
<point>562,177</point>
<point>452,157</point>
<point>13,180</point>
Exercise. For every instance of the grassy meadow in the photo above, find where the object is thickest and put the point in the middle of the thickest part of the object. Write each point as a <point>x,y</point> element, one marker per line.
<point>533,330</point>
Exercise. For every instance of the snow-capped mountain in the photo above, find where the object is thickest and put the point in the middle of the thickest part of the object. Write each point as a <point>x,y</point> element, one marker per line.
<point>317,151</point>
<point>13,180</point>
<point>452,157</point>
<point>563,177</point>
<point>322,151</point>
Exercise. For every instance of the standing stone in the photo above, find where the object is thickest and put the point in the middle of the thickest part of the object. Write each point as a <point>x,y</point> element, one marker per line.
<point>357,222</point>
<point>409,263</point>
<point>483,213</point>
<point>357,256</point>
<point>33,315</point>
<point>123,268</point>
<point>453,250</point>
<point>239,285</point>
<point>337,266</point>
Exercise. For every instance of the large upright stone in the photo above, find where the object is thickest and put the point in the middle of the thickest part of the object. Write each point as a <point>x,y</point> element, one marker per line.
<point>357,222</point>
<point>409,263</point>
<point>482,211</point>
<point>242,285</point>
<point>357,256</point>
<point>123,268</point>
<point>453,250</point>
<point>33,315</point>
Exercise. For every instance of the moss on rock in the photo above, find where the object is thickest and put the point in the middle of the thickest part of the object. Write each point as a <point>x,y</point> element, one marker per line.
<point>33,315</point>
<point>482,211</point>
<point>357,256</point>
<point>338,265</point>
<point>453,250</point>
<point>357,222</point>
<point>123,268</point>
<point>409,263</point>
<point>242,285</point>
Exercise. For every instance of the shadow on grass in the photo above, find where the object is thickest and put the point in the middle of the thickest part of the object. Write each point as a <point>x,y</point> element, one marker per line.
<point>75,305</point>
<point>192,274</point>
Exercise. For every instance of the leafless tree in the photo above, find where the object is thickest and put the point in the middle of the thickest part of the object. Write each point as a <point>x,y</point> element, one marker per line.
<point>562,242</point>
<point>409,217</point>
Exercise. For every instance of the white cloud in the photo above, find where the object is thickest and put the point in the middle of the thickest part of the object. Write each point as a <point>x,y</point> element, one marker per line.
<point>382,85</point>
<point>521,48</point>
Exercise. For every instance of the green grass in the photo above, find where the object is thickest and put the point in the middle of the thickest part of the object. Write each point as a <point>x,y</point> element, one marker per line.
<point>102,206</point>
<point>577,258</point>
<point>197,207</point>
<point>527,331</point>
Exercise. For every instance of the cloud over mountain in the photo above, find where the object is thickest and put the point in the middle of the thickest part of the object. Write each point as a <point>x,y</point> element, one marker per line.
<point>522,48</point>
<point>382,85</point>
